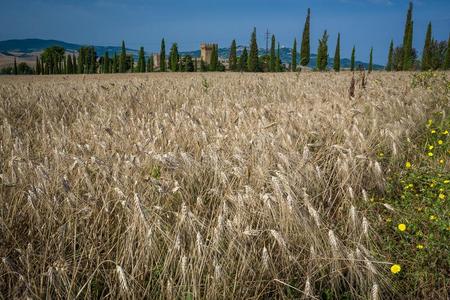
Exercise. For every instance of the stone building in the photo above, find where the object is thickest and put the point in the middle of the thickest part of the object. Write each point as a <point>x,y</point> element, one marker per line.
<point>156,60</point>
<point>206,51</point>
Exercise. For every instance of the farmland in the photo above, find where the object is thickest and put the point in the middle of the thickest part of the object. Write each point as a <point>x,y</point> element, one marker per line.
<point>230,185</point>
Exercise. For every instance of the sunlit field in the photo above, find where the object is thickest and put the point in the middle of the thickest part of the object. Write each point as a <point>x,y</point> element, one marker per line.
<point>225,186</point>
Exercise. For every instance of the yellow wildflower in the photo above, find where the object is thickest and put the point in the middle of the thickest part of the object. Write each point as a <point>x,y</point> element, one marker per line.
<point>401,227</point>
<point>433,131</point>
<point>440,142</point>
<point>431,147</point>
<point>395,269</point>
<point>420,246</point>
<point>433,218</point>
<point>441,196</point>
<point>381,154</point>
<point>441,161</point>
<point>408,165</point>
<point>445,132</point>
<point>430,154</point>
<point>446,181</point>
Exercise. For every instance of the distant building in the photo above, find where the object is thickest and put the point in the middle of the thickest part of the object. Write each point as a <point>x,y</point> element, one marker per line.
<point>206,51</point>
<point>156,60</point>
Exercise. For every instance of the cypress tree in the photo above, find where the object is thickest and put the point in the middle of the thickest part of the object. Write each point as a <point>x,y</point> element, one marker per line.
<point>173,58</point>
<point>337,55</point>
<point>252,62</point>
<point>65,65</point>
<point>273,57</point>
<point>195,64</point>
<point>106,63</point>
<point>352,60</point>
<point>278,62</point>
<point>294,56</point>
<point>390,56</point>
<point>233,56</point>
<point>203,67</point>
<point>447,56</point>
<point>38,66</point>
<point>115,63</point>
<point>322,52</point>
<point>74,62</point>
<point>305,51</point>
<point>427,54</point>
<point>407,41</point>
<point>370,60</point>
<point>214,59</point>
<point>69,65</point>
<point>15,66</point>
<point>162,56</point>
<point>243,60</point>
<point>123,59</point>
<point>141,61</point>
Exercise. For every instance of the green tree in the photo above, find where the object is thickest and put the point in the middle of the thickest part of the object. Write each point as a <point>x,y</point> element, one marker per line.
<point>273,56</point>
<point>233,56</point>
<point>243,60</point>
<point>131,60</point>
<point>15,66</point>
<point>352,60</point>
<point>141,61</point>
<point>174,58</point>
<point>106,63</point>
<point>69,65</point>
<point>322,52</point>
<point>203,66</point>
<point>162,57</point>
<point>370,60</point>
<point>389,66</point>
<point>278,62</point>
<point>115,63</point>
<point>52,57</point>
<point>337,55</point>
<point>188,64</point>
<point>426,54</point>
<point>38,66</point>
<point>214,58</point>
<point>74,62</point>
<point>123,59</point>
<point>305,49</point>
<point>407,60</point>
<point>252,62</point>
<point>447,56</point>
<point>294,56</point>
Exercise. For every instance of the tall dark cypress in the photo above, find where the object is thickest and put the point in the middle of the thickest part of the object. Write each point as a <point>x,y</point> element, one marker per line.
<point>322,52</point>
<point>162,56</point>
<point>233,56</point>
<point>132,63</point>
<point>427,54</point>
<point>69,65</point>
<point>370,68</point>
<point>74,62</point>
<point>213,65</point>
<point>447,56</point>
<point>294,56</point>
<point>337,55</point>
<point>352,60</point>
<point>389,66</point>
<point>174,58</point>
<point>252,63</point>
<point>141,61</point>
<point>407,61</point>
<point>123,59</point>
<point>273,56</point>
<point>38,66</point>
<point>15,66</point>
<point>306,51</point>
<point>278,62</point>
<point>243,60</point>
<point>106,62</point>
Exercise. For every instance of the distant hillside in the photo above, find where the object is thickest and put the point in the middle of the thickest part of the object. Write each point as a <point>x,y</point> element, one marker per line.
<point>27,49</point>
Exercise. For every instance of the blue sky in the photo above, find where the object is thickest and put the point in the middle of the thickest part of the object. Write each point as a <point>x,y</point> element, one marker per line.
<point>364,23</point>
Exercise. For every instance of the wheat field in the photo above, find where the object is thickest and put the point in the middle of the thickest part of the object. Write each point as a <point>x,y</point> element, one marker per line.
<point>191,186</point>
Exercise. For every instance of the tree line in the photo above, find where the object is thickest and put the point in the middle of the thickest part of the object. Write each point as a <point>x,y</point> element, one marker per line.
<point>53,60</point>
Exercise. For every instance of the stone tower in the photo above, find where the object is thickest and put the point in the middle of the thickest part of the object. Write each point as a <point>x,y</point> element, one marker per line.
<point>206,51</point>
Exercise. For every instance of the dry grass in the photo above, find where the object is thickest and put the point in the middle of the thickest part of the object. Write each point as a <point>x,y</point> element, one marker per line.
<point>197,186</point>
